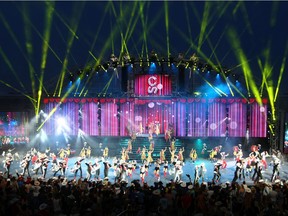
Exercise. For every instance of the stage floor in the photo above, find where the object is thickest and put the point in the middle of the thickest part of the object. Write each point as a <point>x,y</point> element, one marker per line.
<point>227,173</point>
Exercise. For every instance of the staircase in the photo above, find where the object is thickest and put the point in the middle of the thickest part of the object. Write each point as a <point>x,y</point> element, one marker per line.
<point>159,143</point>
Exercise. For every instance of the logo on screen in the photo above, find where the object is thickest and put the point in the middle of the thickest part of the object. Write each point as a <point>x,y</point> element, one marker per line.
<point>153,85</point>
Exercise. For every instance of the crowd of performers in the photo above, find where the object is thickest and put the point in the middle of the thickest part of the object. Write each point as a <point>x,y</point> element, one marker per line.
<point>38,163</point>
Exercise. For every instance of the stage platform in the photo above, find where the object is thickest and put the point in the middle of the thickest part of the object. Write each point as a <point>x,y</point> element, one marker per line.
<point>189,167</point>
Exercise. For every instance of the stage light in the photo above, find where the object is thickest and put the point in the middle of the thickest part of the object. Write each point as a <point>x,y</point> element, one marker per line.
<point>105,66</point>
<point>113,61</point>
<point>153,57</point>
<point>171,59</point>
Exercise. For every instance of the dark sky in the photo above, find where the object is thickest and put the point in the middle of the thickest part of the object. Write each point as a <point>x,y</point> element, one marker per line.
<point>259,27</point>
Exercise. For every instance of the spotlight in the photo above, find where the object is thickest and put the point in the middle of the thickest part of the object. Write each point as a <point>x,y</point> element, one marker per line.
<point>113,61</point>
<point>153,56</point>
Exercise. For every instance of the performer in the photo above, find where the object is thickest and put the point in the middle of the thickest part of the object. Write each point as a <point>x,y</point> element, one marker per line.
<point>172,144</point>
<point>239,154</point>
<point>143,154</point>
<point>178,171</point>
<point>44,166</point>
<point>96,168</point>
<point>165,168</point>
<point>212,155</point>
<point>204,148</point>
<point>146,165</point>
<point>157,170</point>
<point>196,175</point>
<point>62,153</point>
<point>238,171</point>
<point>129,169</point>
<point>259,175</point>
<point>149,156</point>
<point>83,153</point>
<point>248,168</point>
<point>142,173</point>
<point>172,152</point>
<point>59,167</point>
<point>180,154</point>
<point>68,151</point>
<point>264,155</point>
<point>107,166</point>
<point>138,151</point>
<point>223,159</point>
<point>276,169</point>
<point>193,155</point>
<point>117,173</point>
<point>162,155</point>
<point>25,163</point>
<point>167,135</point>
<point>129,146</point>
<point>53,158</point>
<point>77,167</point>
<point>217,174</point>
<point>157,129</point>
<point>105,153</point>
<point>7,163</point>
<point>39,162</point>
<point>88,152</point>
<point>202,172</point>
<point>151,146</point>
<point>47,150</point>
<point>89,170</point>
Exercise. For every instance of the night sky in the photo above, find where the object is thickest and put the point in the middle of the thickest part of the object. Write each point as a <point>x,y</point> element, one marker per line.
<point>216,31</point>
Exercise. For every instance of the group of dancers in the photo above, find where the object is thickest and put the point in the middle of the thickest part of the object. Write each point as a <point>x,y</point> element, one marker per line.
<point>38,163</point>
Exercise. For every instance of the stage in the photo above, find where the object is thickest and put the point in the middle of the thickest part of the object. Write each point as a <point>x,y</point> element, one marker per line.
<point>227,174</point>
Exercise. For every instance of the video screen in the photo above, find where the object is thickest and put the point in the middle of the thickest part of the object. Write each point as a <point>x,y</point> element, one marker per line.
<point>13,128</point>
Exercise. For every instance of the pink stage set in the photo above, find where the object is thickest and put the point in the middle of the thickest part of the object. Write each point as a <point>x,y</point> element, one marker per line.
<point>153,108</point>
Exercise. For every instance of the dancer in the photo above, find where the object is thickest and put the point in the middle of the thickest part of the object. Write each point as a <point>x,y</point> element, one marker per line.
<point>157,170</point>
<point>172,145</point>
<point>60,166</point>
<point>223,159</point>
<point>25,163</point>
<point>77,167</point>
<point>107,166</point>
<point>276,169</point>
<point>165,168</point>
<point>238,171</point>
<point>143,154</point>
<point>82,153</point>
<point>129,146</point>
<point>178,171</point>
<point>193,155</point>
<point>96,169</point>
<point>89,170</point>
<point>180,154</point>
<point>88,152</point>
<point>263,156</point>
<point>162,155</point>
<point>149,156</point>
<point>7,163</point>
<point>217,174</point>
<point>129,169</point>
<point>142,173</point>
<point>202,172</point>
<point>212,155</point>
<point>44,166</point>
<point>105,153</point>
<point>204,148</point>
<point>172,152</point>
<point>196,175</point>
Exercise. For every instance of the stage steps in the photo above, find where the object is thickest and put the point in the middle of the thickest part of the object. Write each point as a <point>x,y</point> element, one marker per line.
<point>159,143</point>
